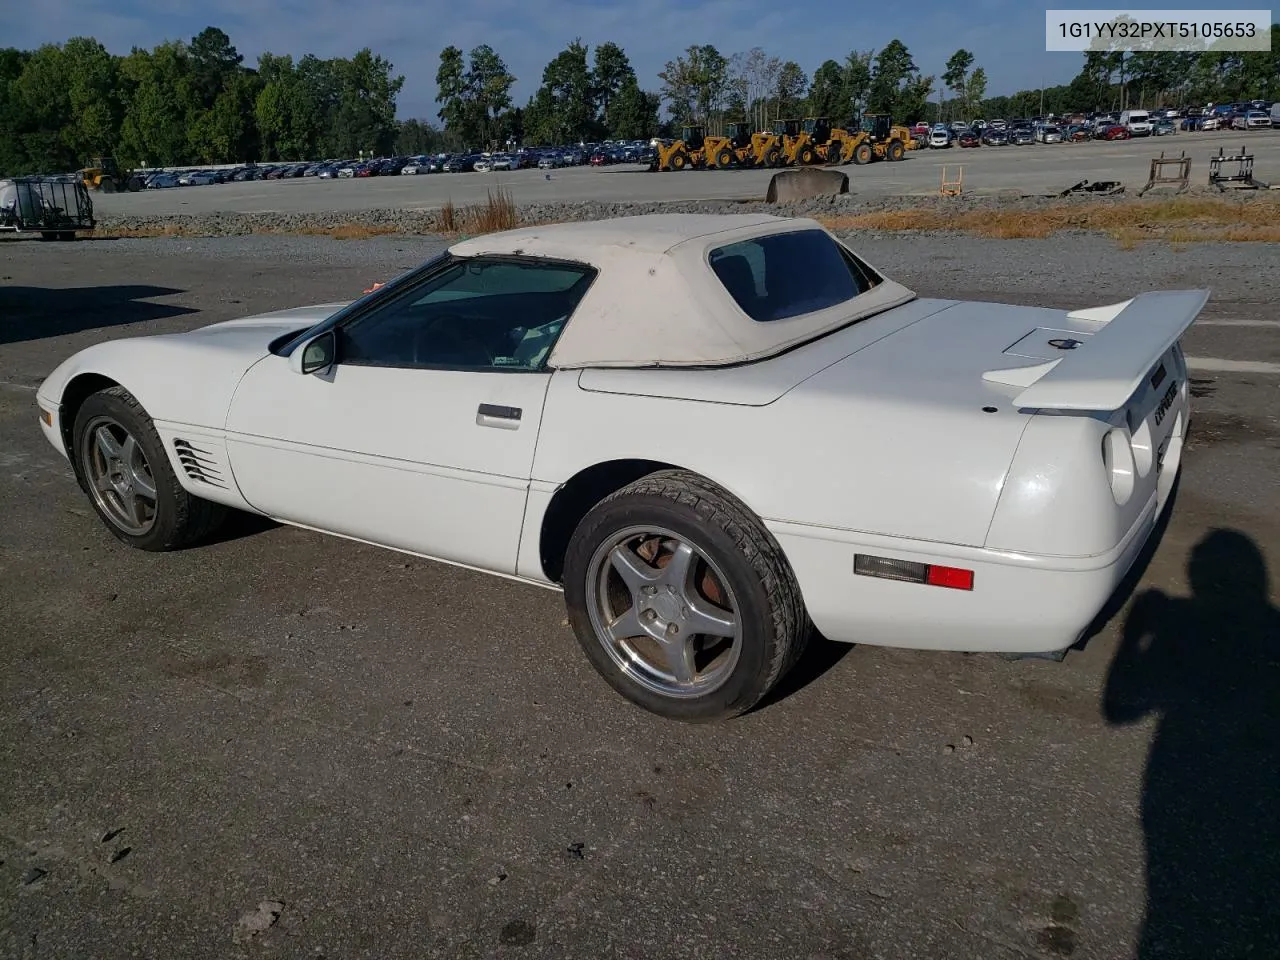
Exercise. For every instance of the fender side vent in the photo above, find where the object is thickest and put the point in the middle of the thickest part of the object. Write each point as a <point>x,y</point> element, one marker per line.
<point>200,464</point>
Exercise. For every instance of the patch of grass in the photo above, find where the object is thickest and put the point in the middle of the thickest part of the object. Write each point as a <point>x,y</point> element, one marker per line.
<point>1178,220</point>
<point>142,233</point>
<point>498,212</point>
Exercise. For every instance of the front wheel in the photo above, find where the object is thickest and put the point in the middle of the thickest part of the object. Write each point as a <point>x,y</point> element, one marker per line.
<point>120,462</point>
<point>682,600</point>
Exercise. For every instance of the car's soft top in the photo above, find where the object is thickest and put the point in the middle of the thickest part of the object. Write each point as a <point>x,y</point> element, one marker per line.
<point>657,301</point>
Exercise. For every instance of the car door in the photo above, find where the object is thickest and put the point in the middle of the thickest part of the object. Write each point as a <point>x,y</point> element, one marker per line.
<point>420,433</point>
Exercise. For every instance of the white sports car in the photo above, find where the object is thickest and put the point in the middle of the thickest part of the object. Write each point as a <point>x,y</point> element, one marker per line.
<point>712,432</point>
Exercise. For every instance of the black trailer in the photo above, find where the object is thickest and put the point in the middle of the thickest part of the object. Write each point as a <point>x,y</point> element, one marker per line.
<point>55,207</point>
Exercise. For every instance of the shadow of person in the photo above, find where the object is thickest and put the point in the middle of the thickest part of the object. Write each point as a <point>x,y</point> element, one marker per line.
<point>1208,667</point>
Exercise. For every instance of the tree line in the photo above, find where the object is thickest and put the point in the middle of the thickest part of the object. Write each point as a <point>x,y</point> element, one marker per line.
<point>197,102</point>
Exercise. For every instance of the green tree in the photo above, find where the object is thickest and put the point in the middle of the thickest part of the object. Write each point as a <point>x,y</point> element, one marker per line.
<point>565,105</point>
<point>452,95</point>
<point>633,113</point>
<point>829,92</point>
<point>159,103</point>
<point>214,64</point>
<point>789,94</point>
<point>13,118</point>
<point>956,77</point>
<point>694,85</point>
<point>611,71</point>
<point>488,90</point>
<point>897,87</point>
<point>857,78</point>
<point>365,118</point>
<point>975,91</point>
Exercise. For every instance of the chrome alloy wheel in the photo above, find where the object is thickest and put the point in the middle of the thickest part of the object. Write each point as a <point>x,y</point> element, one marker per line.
<point>664,612</point>
<point>119,476</point>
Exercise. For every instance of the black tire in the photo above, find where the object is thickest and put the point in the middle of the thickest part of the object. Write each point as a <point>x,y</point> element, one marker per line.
<point>48,234</point>
<point>806,156</point>
<point>724,159</point>
<point>679,160</point>
<point>773,625</point>
<point>896,151</point>
<point>180,518</point>
<point>773,158</point>
<point>862,153</point>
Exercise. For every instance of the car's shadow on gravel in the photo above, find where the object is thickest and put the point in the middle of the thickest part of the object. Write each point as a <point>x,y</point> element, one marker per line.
<point>820,656</point>
<point>34,313</point>
<point>239,525</point>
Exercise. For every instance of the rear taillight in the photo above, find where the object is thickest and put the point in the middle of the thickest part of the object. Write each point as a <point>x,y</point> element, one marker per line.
<point>1118,462</point>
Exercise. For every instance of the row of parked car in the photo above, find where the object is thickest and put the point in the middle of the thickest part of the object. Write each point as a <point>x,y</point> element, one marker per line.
<point>1121,125</point>
<point>545,158</point>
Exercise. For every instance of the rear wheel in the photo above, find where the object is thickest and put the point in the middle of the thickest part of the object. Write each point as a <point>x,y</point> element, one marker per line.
<point>806,156</point>
<point>773,157</point>
<point>862,153</point>
<point>121,464</point>
<point>724,159</point>
<point>896,150</point>
<point>679,160</point>
<point>682,600</point>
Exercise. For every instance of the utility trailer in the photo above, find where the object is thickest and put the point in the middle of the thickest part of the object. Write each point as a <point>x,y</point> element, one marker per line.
<point>55,207</point>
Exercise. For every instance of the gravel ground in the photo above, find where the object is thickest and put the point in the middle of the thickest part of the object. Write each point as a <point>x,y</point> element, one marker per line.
<point>410,221</point>
<point>289,745</point>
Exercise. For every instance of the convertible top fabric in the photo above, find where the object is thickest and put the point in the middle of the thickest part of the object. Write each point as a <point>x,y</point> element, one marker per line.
<point>657,302</point>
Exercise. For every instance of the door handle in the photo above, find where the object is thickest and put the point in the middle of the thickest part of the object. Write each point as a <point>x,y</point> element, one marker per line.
<point>503,418</point>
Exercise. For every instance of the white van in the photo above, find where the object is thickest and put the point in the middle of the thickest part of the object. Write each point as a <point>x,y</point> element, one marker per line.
<point>1138,122</point>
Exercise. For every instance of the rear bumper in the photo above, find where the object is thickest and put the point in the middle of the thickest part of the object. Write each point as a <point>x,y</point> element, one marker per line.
<point>1019,603</point>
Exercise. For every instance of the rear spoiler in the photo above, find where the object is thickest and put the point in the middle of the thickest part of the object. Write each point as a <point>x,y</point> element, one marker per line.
<point>1110,363</point>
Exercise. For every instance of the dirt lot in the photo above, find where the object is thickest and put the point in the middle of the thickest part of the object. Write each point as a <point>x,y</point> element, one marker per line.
<point>287,745</point>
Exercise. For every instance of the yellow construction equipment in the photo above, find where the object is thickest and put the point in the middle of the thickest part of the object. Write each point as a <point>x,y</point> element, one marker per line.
<point>798,145</point>
<point>877,138</point>
<point>767,147</point>
<point>681,154</point>
<point>734,150</point>
<point>103,174</point>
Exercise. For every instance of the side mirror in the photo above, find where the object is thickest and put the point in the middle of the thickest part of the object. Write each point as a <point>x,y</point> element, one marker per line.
<point>315,355</point>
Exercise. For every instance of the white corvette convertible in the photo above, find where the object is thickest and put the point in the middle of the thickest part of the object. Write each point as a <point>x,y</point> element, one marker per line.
<point>713,433</point>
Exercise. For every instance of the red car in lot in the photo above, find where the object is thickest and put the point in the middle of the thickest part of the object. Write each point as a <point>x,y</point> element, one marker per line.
<point>969,138</point>
<point>1115,132</point>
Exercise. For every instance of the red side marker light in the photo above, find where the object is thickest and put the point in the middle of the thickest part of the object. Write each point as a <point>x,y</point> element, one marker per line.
<point>887,568</point>
<point>952,577</point>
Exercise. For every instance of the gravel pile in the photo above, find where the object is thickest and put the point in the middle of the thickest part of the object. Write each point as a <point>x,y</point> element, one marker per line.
<point>428,221</point>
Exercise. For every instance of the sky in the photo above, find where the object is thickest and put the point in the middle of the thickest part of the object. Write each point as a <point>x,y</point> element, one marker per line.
<point>1006,36</point>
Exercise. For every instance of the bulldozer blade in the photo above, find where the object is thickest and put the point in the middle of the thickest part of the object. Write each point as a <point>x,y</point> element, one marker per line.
<point>801,183</point>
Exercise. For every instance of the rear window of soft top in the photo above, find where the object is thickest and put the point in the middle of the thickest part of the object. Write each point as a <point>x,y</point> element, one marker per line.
<point>782,275</point>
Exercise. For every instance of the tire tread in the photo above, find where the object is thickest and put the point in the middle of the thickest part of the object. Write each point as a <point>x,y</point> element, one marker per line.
<point>194,517</point>
<point>791,627</point>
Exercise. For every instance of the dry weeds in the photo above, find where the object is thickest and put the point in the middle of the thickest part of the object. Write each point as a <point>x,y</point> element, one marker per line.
<point>1178,220</point>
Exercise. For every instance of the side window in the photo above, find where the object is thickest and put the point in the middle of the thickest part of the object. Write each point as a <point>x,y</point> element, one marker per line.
<point>479,313</point>
<point>784,275</point>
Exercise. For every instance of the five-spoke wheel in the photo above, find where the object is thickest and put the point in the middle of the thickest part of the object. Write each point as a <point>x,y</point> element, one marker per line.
<point>681,598</point>
<point>120,479</point>
<point>662,611</point>
<point>121,463</point>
